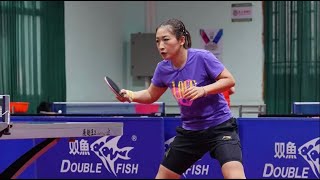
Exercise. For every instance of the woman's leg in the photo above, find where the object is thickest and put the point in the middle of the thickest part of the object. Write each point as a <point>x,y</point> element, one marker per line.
<point>227,150</point>
<point>165,173</point>
<point>233,170</point>
<point>184,151</point>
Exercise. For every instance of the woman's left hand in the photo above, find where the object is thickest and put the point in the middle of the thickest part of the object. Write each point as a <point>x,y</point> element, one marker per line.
<point>194,92</point>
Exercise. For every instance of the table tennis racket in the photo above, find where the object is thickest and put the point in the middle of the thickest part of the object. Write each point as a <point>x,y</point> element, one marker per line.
<point>113,86</point>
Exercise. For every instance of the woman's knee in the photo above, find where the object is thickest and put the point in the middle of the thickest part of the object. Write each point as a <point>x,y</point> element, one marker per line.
<point>233,170</point>
<point>165,173</point>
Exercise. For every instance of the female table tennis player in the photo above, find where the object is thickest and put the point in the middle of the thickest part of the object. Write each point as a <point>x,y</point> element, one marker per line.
<point>196,79</point>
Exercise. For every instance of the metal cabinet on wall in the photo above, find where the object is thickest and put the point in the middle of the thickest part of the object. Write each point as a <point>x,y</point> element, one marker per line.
<point>144,54</point>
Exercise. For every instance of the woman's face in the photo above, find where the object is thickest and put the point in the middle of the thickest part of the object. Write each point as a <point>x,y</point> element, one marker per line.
<point>167,43</point>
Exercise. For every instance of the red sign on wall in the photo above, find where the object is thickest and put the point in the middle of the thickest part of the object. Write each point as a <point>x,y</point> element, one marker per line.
<point>241,12</point>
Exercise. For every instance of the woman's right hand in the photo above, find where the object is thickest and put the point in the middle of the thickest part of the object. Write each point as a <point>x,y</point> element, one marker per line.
<point>127,96</point>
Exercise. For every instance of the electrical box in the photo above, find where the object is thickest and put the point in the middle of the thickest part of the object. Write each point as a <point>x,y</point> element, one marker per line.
<point>144,54</point>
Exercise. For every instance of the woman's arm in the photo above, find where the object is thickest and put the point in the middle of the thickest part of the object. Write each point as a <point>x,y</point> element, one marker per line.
<point>223,82</point>
<point>232,90</point>
<point>146,96</point>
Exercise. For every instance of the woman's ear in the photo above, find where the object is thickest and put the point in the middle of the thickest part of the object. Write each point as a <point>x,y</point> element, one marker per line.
<point>182,40</point>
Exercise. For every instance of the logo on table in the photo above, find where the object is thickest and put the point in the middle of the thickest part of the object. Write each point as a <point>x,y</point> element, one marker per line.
<point>310,152</point>
<point>107,150</point>
<point>199,168</point>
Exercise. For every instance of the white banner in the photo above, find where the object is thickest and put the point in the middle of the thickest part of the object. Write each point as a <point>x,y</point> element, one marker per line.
<point>212,41</point>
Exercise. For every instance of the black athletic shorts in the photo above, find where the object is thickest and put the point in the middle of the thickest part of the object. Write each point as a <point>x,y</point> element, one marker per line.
<point>222,141</point>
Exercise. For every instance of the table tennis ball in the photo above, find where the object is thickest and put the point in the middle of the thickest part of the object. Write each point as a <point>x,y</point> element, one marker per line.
<point>59,111</point>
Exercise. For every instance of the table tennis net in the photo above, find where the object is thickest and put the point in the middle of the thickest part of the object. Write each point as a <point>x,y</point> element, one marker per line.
<point>109,108</point>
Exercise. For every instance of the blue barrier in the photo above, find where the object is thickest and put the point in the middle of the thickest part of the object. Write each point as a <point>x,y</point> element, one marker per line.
<point>306,108</point>
<point>280,147</point>
<point>272,148</point>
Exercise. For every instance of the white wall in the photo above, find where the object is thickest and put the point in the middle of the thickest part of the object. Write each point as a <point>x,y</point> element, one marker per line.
<point>98,36</point>
<point>93,48</point>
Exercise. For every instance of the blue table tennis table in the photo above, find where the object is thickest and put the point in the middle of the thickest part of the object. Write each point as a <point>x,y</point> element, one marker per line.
<point>43,129</point>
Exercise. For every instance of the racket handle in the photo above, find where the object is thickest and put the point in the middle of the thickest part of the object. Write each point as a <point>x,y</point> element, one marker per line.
<point>130,95</point>
<point>122,94</point>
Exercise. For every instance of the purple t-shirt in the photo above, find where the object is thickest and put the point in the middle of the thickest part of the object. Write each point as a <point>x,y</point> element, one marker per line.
<point>201,69</point>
